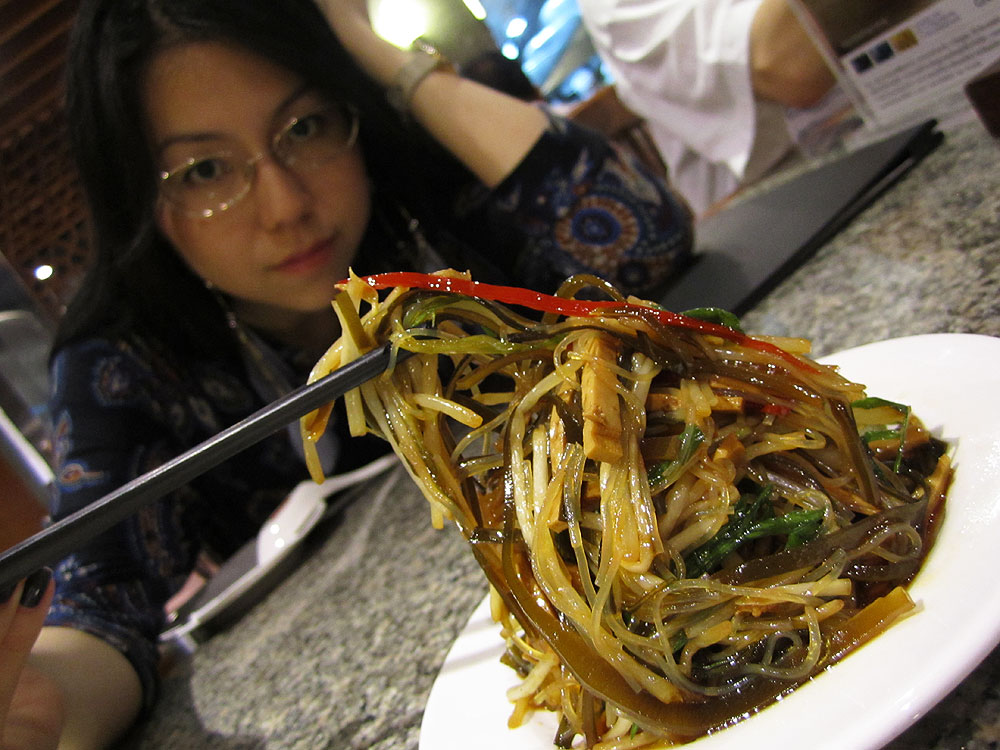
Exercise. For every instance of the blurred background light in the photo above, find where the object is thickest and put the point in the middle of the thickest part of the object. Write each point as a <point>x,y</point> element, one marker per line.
<point>539,39</point>
<point>476,9</point>
<point>400,21</point>
<point>510,50</point>
<point>516,27</point>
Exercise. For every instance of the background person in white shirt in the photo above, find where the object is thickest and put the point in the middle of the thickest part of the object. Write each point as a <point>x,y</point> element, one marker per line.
<point>714,79</point>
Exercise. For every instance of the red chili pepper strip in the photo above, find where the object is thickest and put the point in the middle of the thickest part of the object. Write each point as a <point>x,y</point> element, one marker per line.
<point>563,306</point>
<point>777,410</point>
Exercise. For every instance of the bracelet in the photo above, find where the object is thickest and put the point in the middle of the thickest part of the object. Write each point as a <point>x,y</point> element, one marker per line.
<point>423,61</point>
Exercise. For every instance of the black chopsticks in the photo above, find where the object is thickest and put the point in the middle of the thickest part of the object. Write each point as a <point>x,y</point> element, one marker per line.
<point>61,538</point>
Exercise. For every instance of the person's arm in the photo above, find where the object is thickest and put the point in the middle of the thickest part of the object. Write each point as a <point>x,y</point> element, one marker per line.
<point>31,707</point>
<point>785,66</point>
<point>576,204</point>
<point>59,688</point>
<point>490,132</point>
<point>100,691</point>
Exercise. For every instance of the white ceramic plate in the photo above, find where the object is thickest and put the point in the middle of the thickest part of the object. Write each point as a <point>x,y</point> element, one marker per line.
<point>952,381</point>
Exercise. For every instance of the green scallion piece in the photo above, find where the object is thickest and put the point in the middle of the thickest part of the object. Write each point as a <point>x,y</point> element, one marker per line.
<point>666,472</point>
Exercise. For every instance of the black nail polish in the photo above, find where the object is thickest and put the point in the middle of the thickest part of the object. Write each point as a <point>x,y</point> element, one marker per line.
<point>34,587</point>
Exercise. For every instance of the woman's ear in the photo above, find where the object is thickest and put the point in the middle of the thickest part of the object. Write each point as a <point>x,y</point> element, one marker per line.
<point>163,217</point>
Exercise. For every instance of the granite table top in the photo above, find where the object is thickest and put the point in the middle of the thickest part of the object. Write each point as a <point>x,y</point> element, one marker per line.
<point>344,652</point>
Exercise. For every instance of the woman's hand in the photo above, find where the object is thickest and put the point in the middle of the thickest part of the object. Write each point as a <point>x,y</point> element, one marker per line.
<point>31,713</point>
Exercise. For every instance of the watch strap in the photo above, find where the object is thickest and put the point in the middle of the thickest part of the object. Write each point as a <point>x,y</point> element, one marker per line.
<point>423,61</point>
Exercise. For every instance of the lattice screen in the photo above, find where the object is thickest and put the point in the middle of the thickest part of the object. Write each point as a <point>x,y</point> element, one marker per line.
<point>43,218</point>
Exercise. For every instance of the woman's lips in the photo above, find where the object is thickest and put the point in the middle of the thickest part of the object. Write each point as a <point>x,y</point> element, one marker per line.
<point>309,260</point>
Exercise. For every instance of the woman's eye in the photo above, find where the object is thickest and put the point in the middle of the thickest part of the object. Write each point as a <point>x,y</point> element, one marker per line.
<point>305,128</point>
<point>205,171</point>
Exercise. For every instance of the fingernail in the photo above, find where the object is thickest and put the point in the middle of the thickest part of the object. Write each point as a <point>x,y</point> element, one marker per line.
<point>34,587</point>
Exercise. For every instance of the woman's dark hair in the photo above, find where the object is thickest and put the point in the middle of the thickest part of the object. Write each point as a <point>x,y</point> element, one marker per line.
<point>137,280</point>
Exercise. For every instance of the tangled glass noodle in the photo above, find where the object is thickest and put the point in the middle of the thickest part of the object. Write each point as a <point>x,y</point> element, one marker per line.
<point>679,523</point>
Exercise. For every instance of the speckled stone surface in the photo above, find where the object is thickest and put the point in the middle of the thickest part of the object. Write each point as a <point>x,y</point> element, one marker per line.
<point>343,654</point>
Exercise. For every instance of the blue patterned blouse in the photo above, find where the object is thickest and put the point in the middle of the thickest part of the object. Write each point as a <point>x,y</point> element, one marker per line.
<point>123,407</point>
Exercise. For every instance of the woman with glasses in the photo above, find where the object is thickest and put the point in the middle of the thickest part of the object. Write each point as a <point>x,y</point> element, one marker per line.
<point>238,160</point>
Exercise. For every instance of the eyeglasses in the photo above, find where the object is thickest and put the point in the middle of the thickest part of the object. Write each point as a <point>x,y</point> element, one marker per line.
<point>208,184</point>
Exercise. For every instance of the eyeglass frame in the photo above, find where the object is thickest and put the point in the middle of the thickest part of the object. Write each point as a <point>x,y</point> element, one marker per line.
<point>249,167</point>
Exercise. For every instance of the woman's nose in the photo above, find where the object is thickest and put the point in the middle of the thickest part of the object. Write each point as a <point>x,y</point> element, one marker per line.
<point>282,196</point>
